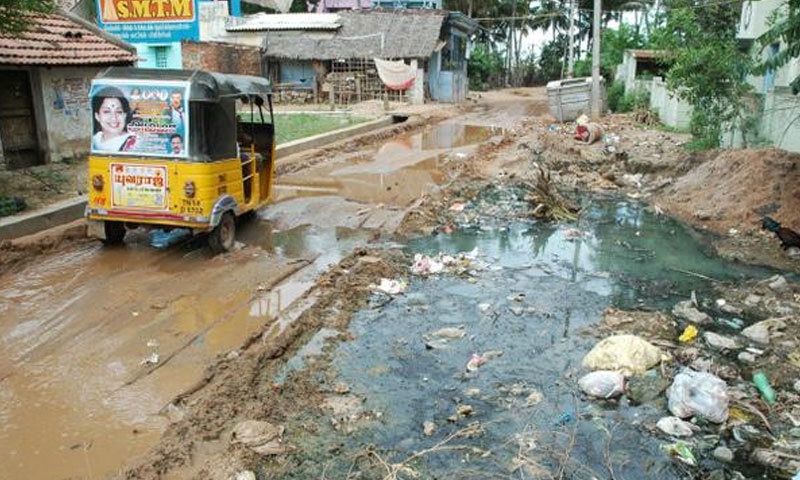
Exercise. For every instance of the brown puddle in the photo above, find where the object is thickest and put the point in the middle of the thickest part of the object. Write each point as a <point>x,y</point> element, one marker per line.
<point>75,397</point>
<point>77,329</point>
<point>400,171</point>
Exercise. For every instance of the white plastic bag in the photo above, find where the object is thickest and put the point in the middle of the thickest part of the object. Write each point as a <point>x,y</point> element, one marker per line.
<point>603,384</point>
<point>698,393</point>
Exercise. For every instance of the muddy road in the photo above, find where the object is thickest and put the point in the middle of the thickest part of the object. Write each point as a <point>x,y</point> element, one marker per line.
<point>95,342</point>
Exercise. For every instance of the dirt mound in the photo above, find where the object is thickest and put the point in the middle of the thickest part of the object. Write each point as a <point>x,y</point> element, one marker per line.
<point>736,189</point>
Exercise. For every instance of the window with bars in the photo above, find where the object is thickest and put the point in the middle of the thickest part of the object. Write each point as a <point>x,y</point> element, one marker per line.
<point>161,56</point>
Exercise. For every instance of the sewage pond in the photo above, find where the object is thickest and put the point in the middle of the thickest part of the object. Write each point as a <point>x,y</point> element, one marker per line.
<point>528,299</point>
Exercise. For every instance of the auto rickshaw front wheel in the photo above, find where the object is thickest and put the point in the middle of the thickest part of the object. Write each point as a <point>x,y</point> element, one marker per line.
<point>115,232</point>
<point>223,236</point>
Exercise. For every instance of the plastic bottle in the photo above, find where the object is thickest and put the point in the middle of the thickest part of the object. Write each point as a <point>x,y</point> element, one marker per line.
<point>762,384</point>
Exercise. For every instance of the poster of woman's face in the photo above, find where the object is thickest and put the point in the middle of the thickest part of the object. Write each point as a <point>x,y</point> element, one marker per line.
<point>138,118</point>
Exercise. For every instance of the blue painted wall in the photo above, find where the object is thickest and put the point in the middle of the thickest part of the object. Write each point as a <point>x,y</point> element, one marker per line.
<point>298,73</point>
<point>148,55</point>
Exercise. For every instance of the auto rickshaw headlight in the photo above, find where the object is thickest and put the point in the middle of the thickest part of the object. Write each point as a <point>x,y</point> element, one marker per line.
<point>189,189</point>
<point>97,182</point>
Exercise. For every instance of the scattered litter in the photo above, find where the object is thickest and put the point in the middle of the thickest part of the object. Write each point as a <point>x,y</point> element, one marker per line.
<point>261,437</point>
<point>160,238</point>
<point>461,262</point>
<point>152,343</point>
<point>245,475</point>
<point>689,334</point>
<point>152,359</point>
<point>762,331</point>
<point>698,393</point>
<point>676,427</point>
<point>519,297</point>
<point>457,207</point>
<point>534,398</point>
<point>778,283</point>
<point>425,265</point>
<point>603,384</point>
<point>682,452</point>
<point>762,384</point>
<point>475,362</point>
<point>391,287</point>
<point>723,454</point>
<point>588,132</point>
<point>720,342</point>
<point>627,353</point>
<point>453,333</point>
<point>687,311</point>
<point>484,308</point>
<point>564,418</point>
<point>572,234</point>
<point>428,428</point>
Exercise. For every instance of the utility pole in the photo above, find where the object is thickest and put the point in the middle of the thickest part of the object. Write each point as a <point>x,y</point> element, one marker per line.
<point>571,61</point>
<point>596,98</point>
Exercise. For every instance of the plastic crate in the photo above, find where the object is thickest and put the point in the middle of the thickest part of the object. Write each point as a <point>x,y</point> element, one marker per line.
<point>569,98</point>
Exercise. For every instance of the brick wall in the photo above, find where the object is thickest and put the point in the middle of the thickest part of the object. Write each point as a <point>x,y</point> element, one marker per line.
<point>221,57</point>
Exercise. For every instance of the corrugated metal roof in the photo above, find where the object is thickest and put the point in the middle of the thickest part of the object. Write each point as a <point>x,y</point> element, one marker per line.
<point>59,39</point>
<point>286,21</point>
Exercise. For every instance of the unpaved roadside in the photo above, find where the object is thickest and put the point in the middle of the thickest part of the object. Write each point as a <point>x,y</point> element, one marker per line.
<point>645,164</point>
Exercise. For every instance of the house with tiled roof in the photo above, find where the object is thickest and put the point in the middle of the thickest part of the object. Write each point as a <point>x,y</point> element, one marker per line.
<point>45,73</point>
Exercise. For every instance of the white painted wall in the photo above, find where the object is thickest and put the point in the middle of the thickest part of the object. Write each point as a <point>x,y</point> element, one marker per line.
<point>755,17</point>
<point>671,110</point>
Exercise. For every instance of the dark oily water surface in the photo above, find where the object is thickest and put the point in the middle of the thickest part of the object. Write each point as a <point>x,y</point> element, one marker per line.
<point>536,297</point>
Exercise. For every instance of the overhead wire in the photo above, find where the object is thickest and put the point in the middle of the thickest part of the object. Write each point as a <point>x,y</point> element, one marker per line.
<point>564,14</point>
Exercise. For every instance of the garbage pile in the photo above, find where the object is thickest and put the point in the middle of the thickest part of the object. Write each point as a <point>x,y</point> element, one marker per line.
<point>716,381</point>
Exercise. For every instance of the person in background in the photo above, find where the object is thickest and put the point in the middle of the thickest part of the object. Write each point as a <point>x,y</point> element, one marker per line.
<point>112,113</point>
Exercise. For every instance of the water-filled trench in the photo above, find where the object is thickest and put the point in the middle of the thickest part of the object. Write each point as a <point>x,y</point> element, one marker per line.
<point>529,302</point>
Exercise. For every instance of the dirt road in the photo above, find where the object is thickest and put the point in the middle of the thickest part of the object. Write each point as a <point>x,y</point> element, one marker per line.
<point>96,342</point>
<point>130,360</point>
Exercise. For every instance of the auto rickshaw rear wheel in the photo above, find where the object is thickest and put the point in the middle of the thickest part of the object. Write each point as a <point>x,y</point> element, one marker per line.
<point>223,236</point>
<point>115,232</point>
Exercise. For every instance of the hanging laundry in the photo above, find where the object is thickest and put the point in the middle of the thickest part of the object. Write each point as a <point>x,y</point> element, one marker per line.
<point>396,75</point>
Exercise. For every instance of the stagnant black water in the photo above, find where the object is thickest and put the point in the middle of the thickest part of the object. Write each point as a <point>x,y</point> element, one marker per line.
<point>534,293</point>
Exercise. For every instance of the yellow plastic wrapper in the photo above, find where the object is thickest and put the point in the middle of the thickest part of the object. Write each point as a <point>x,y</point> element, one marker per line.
<point>688,334</point>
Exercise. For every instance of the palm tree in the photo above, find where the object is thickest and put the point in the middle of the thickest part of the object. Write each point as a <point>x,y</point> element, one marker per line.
<point>550,15</point>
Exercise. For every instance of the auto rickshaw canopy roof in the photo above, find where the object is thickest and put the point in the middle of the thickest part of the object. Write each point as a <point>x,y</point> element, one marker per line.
<point>204,86</point>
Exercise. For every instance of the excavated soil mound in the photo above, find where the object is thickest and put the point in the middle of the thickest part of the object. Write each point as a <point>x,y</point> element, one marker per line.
<point>736,189</point>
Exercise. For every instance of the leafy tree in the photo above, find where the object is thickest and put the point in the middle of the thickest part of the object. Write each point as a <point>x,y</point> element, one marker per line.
<point>785,29</point>
<point>485,67</point>
<point>12,21</point>
<point>551,60</point>
<point>706,67</point>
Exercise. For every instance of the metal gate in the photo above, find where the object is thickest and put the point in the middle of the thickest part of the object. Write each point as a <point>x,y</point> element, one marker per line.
<point>17,124</point>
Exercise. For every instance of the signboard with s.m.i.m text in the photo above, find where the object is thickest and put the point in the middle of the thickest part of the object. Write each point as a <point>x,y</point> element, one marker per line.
<point>149,21</point>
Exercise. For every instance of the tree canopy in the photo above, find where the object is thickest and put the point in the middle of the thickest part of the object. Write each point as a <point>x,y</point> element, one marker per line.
<point>11,21</point>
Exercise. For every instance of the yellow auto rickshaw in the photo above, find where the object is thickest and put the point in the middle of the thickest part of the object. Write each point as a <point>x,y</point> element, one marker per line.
<point>171,150</point>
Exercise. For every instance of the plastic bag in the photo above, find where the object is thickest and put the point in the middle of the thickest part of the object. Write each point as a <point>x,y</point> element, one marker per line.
<point>698,393</point>
<point>626,353</point>
<point>603,384</point>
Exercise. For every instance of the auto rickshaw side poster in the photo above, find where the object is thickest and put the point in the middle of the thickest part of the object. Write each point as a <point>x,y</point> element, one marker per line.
<point>140,118</point>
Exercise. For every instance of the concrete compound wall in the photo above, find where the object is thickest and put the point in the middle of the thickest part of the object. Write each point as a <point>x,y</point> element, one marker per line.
<point>671,110</point>
<point>778,123</point>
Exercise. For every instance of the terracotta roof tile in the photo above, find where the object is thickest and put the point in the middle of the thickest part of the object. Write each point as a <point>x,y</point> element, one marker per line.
<point>55,39</point>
